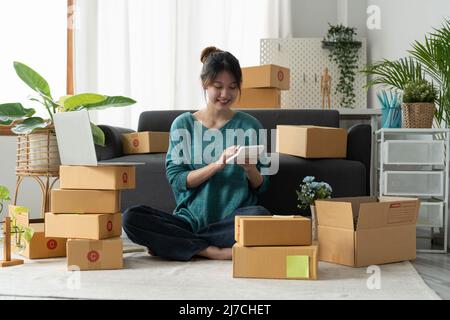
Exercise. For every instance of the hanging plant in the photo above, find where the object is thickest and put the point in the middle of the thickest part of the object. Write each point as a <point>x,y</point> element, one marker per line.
<point>344,52</point>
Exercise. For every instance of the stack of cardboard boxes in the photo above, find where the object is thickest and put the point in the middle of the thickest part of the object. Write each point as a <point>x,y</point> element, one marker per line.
<point>86,211</point>
<point>274,247</point>
<point>262,85</point>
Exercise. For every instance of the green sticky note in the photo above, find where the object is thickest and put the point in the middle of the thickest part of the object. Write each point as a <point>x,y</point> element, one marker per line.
<point>297,267</point>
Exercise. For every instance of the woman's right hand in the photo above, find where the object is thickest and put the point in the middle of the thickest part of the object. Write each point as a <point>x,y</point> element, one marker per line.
<point>228,153</point>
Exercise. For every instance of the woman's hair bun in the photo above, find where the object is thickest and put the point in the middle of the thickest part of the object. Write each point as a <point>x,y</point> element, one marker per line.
<point>207,52</point>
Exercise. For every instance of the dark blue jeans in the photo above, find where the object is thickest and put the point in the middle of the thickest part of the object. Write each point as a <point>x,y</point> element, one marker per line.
<point>171,237</point>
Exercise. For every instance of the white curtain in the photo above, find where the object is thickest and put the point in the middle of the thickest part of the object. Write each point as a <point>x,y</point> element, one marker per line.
<point>150,49</point>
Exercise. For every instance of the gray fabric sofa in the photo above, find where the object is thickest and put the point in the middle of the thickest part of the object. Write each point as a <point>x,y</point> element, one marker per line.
<point>348,177</point>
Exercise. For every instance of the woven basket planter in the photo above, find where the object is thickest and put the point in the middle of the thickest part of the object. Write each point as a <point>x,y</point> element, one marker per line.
<point>418,115</point>
<point>37,154</point>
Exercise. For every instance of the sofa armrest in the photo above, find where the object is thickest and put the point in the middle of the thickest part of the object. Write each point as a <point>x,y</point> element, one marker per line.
<point>359,148</point>
<point>113,143</point>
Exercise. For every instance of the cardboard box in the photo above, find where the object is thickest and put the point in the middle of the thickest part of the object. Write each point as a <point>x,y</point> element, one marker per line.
<point>259,98</point>
<point>97,178</point>
<point>312,141</point>
<point>145,142</point>
<point>366,231</point>
<point>94,254</point>
<point>85,201</point>
<point>266,76</point>
<point>83,226</point>
<point>291,262</point>
<point>272,231</point>
<point>40,247</point>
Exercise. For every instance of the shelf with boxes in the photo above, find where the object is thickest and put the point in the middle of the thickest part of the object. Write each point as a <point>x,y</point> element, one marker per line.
<point>415,163</point>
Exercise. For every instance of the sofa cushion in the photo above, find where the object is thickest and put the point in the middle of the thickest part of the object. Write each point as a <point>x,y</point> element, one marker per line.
<point>346,177</point>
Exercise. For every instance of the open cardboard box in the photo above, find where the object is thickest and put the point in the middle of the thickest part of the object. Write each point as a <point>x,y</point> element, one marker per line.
<point>40,246</point>
<point>273,230</point>
<point>366,231</point>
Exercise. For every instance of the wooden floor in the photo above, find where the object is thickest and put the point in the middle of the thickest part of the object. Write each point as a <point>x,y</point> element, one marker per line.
<point>435,270</point>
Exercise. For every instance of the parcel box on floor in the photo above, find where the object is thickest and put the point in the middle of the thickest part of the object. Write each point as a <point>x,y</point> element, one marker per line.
<point>288,262</point>
<point>97,178</point>
<point>83,226</point>
<point>312,141</point>
<point>39,246</point>
<point>366,231</point>
<point>94,254</point>
<point>273,230</point>
<point>145,142</point>
<point>258,98</point>
<point>266,76</point>
<point>85,201</point>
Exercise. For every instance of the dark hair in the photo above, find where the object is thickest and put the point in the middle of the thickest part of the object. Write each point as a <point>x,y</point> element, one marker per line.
<point>215,61</point>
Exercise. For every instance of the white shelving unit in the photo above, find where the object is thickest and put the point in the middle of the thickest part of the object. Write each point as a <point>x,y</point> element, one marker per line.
<point>415,163</point>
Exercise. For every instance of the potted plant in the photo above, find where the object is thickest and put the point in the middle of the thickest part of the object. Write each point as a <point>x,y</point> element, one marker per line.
<point>428,60</point>
<point>344,52</point>
<point>40,143</point>
<point>309,192</point>
<point>17,231</point>
<point>418,104</point>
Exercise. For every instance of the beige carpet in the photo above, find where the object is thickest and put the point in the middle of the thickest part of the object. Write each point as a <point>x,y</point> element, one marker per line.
<point>146,277</point>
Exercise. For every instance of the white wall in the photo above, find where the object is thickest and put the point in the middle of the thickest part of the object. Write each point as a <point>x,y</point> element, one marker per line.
<point>310,17</point>
<point>403,22</point>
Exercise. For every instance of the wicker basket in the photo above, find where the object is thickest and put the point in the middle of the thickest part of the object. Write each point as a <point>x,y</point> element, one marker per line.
<point>418,115</point>
<point>37,154</point>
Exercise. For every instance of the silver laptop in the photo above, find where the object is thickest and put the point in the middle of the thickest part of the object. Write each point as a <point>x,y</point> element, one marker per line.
<point>75,141</point>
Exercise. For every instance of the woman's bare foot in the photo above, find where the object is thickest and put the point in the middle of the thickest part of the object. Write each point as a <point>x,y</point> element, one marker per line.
<point>215,253</point>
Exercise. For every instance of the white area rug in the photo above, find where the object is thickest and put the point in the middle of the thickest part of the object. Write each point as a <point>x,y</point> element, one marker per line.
<point>146,277</point>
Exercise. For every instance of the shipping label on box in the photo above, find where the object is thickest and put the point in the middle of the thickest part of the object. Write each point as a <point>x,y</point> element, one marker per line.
<point>266,76</point>
<point>83,226</point>
<point>145,142</point>
<point>312,141</point>
<point>85,201</point>
<point>287,262</point>
<point>273,230</point>
<point>94,254</point>
<point>259,98</point>
<point>97,178</point>
<point>366,231</point>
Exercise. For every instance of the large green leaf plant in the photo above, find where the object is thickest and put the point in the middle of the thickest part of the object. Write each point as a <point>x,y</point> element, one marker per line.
<point>24,121</point>
<point>428,60</point>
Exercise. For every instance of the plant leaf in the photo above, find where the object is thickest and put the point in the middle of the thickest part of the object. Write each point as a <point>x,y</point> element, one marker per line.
<point>98,135</point>
<point>33,79</point>
<point>30,125</point>
<point>11,112</point>
<point>110,102</point>
<point>81,100</point>
<point>4,194</point>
